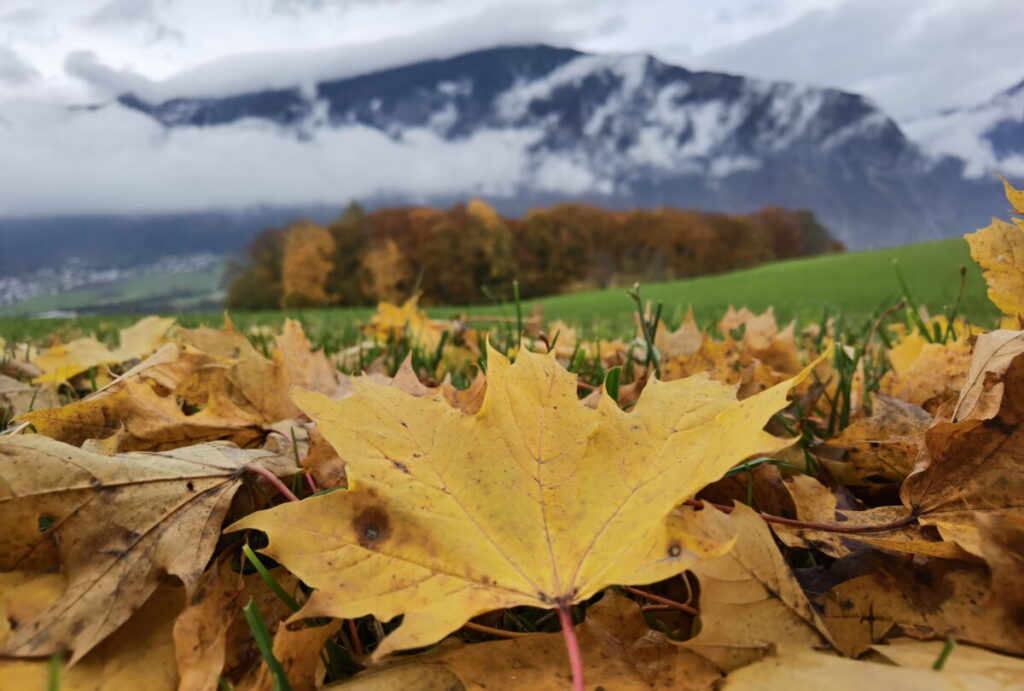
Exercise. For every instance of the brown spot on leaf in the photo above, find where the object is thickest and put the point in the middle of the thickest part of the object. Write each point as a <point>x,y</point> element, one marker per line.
<point>372,527</point>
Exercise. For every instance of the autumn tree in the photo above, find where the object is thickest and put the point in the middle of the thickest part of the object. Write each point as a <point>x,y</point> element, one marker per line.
<point>254,281</point>
<point>350,232</point>
<point>307,263</point>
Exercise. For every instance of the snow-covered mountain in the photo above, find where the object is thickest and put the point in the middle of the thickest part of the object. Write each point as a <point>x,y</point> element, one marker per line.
<point>629,130</point>
<point>988,137</point>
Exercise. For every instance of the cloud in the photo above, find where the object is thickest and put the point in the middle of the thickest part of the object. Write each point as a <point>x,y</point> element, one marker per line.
<point>911,57</point>
<point>512,24</point>
<point>113,159</point>
<point>15,71</point>
<point>118,12</point>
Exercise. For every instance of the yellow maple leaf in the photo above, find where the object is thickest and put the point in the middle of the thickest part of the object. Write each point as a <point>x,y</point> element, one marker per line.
<point>999,250</point>
<point>65,361</point>
<point>533,500</point>
<point>408,319</point>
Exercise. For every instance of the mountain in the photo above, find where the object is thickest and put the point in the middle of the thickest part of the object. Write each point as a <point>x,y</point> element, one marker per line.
<point>987,137</point>
<point>528,125</point>
<point>630,130</point>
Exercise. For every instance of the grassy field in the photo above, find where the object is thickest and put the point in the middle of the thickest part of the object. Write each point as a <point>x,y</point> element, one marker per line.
<point>854,285</point>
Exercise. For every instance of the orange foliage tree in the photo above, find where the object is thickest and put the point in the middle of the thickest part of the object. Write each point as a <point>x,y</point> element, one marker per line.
<point>469,253</point>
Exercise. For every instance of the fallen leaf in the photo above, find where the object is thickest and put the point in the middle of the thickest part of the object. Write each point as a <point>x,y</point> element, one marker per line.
<point>535,500</point>
<point>303,367</point>
<point>251,382</point>
<point>149,421</point>
<point>933,377</point>
<point>62,362</point>
<point>686,340</point>
<point>1001,540</point>
<point>999,250</point>
<point>200,631</point>
<point>139,655</point>
<point>117,525</point>
<point>982,394</point>
<point>930,600</point>
<point>1004,670</point>
<point>749,599</point>
<point>299,654</point>
<point>23,595</point>
<point>620,652</point>
<point>19,398</point>
<point>800,669</point>
<point>882,447</point>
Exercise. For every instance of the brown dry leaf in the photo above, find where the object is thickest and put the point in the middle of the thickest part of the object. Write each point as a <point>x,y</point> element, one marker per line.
<point>982,395</point>
<point>749,599</point>
<point>299,654</point>
<point>139,655</point>
<point>815,503</point>
<point>252,382</point>
<point>686,340</point>
<point>619,652</point>
<point>910,539</point>
<point>322,461</point>
<point>200,631</point>
<point>930,600</point>
<point>569,500</point>
<point>302,367</point>
<point>882,447</point>
<point>972,467</point>
<point>150,421</point>
<point>19,398</point>
<point>999,250</point>
<point>1002,545</point>
<point>166,370</point>
<point>65,361</point>
<point>930,378</point>
<point>117,525</point>
<point>802,669</point>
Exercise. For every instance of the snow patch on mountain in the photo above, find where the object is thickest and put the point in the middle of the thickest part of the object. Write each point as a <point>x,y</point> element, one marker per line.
<point>989,137</point>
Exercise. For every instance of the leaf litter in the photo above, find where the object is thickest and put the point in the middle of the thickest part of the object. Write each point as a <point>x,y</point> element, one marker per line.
<point>743,506</point>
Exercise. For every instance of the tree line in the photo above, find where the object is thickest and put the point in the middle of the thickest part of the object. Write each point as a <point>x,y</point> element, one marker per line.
<point>469,253</point>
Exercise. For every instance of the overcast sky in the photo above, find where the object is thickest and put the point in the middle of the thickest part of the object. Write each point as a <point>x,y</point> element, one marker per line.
<point>911,56</point>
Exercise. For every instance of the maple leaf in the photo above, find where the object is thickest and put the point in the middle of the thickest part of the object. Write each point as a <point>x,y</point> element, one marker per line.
<point>534,500</point>
<point>117,525</point>
<point>749,599</point>
<point>149,421</point>
<point>65,361</point>
<point>999,251</point>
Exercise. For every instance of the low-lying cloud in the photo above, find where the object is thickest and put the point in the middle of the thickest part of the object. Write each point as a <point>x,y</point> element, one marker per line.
<point>114,159</point>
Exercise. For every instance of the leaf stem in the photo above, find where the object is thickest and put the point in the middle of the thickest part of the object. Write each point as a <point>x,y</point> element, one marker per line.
<point>658,598</point>
<point>495,632</point>
<point>572,646</point>
<point>272,479</point>
<point>806,525</point>
<point>353,633</point>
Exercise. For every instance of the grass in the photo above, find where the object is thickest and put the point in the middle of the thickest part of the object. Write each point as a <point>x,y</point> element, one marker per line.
<point>854,285</point>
